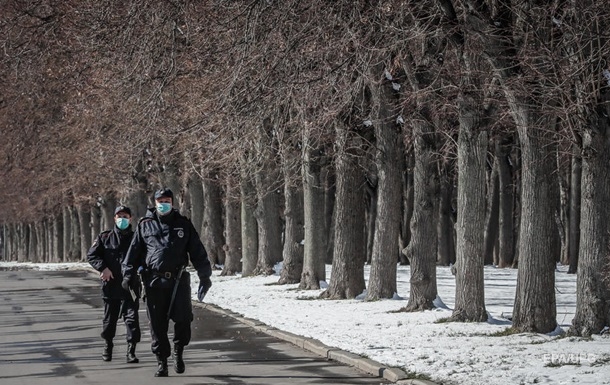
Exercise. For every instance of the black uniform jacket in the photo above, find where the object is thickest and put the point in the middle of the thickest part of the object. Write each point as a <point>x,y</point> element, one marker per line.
<point>108,251</point>
<point>161,245</point>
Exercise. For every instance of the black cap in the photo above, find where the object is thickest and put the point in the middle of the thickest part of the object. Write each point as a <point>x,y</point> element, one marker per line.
<point>164,192</point>
<point>122,209</point>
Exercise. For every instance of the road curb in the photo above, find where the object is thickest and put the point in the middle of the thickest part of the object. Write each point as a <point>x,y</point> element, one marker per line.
<point>367,365</point>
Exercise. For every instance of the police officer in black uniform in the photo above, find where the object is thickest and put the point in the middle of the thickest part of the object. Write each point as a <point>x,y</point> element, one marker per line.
<point>161,248</point>
<point>106,255</point>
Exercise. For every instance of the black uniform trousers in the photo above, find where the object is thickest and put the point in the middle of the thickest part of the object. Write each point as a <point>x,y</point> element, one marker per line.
<point>157,306</point>
<point>112,310</point>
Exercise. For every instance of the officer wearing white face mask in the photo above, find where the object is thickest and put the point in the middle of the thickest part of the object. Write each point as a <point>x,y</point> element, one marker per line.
<point>106,256</point>
<point>163,245</point>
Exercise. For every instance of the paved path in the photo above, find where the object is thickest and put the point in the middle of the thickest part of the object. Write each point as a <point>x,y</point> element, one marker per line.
<point>49,334</point>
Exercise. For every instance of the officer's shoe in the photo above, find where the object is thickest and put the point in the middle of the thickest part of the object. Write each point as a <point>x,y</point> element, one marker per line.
<point>131,353</point>
<point>178,361</point>
<point>107,352</point>
<point>162,369</point>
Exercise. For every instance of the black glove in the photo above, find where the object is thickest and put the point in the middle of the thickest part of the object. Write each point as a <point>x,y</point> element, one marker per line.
<point>204,286</point>
<point>126,283</point>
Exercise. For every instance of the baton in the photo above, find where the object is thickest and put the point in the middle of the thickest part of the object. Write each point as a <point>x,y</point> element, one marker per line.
<point>171,302</point>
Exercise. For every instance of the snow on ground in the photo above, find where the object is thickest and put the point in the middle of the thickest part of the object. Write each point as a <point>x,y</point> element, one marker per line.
<point>451,353</point>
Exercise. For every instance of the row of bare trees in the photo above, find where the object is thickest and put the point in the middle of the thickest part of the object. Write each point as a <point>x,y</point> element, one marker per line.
<point>423,132</point>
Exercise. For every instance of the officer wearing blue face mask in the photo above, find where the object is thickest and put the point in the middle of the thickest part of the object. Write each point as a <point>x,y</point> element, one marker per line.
<point>106,256</point>
<point>163,245</point>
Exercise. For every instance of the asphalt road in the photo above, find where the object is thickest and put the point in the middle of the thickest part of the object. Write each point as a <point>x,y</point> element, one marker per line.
<point>49,334</point>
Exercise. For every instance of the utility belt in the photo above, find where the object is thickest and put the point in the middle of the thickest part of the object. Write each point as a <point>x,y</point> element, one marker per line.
<point>164,274</point>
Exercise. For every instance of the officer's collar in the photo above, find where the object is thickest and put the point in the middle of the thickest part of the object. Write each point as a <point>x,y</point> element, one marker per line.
<point>167,217</point>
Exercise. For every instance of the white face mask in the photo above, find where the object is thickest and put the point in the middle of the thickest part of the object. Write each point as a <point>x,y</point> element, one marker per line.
<point>122,223</point>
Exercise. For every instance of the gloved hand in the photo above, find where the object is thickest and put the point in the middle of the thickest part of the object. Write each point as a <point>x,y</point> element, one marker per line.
<point>126,283</point>
<point>204,286</point>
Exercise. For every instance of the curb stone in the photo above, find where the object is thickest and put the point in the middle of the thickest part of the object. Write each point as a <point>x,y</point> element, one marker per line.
<point>367,365</point>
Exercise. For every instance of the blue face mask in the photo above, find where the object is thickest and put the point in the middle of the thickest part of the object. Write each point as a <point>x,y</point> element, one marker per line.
<point>122,223</point>
<point>164,208</point>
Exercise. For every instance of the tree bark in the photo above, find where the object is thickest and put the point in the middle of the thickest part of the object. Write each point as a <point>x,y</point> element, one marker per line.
<point>292,267</point>
<point>67,234</point>
<point>314,218</point>
<point>329,187</point>
<point>472,152</point>
<point>349,253</point>
<point>212,226</point>
<point>232,231</point>
<point>96,221</point>
<point>506,244</point>
<point>84,219</point>
<point>370,216</point>
<point>195,187</point>
<point>107,212</point>
<point>534,309</point>
<point>593,290</point>
<point>491,220</point>
<point>422,249</point>
<point>390,164</point>
<point>58,237</point>
<point>267,211</point>
<point>446,247</point>
<point>249,228</point>
<point>574,211</point>
<point>405,233</point>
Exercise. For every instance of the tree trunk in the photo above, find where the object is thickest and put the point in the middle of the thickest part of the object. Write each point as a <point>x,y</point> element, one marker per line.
<point>349,254</point>
<point>534,309</point>
<point>96,221</point>
<point>195,187</point>
<point>268,201</point>
<point>107,212</point>
<point>472,153</point>
<point>574,211</point>
<point>506,244</point>
<point>212,227</point>
<point>327,237</point>
<point>267,215</point>
<point>491,220</point>
<point>422,249</point>
<point>137,202</point>
<point>32,243</point>
<point>232,231</point>
<point>67,240</point>
<point>22,242</point>
<point>249,228</point>
<point>58,237</point>
<point>314,219</point>
<point>405,232</point>
<point>390,165</point>
<point>170,178</point>
<point>84,219</point>
<point>593,290</point>
<point>370,215</point>
<point>75,236</point>
<point>446,247</point>
<point>293,235</point>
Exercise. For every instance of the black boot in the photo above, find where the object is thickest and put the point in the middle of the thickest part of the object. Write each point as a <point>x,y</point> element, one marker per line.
<point>178,361</point>
<point>107,352</point>
<point>162,370</point>
<point>131,353</point>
